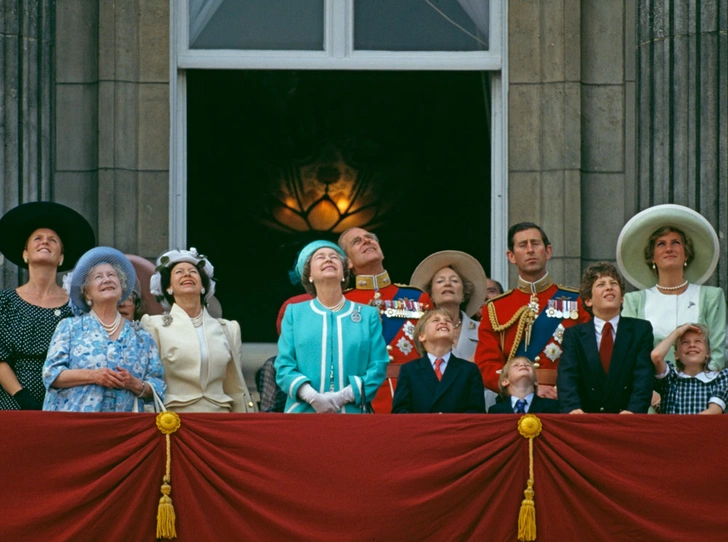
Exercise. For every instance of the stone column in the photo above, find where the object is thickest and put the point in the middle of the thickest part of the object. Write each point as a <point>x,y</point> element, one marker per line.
<point>133,123</point>
<point>26,106</point>
<point>545,147</point>
<point>608,125</point>
<point>112,118</point>
<point>682,93</point>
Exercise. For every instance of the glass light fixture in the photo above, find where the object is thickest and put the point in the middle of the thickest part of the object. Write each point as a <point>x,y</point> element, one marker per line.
<point>327,195</point>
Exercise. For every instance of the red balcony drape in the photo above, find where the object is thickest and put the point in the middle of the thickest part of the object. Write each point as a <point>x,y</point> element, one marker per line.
<point>391,477</point>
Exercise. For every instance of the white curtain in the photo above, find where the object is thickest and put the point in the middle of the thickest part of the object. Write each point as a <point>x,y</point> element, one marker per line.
<point>201,11</point>
<point>478,11</point>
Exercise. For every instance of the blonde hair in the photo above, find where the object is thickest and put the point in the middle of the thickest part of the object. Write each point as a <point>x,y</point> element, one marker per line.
<point>705,332</point>
<point>504,375</point>
<point>420,327</point>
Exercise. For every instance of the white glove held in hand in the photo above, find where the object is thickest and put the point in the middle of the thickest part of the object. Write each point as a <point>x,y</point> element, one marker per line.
<point>319,402</point>
<point>342,397</point>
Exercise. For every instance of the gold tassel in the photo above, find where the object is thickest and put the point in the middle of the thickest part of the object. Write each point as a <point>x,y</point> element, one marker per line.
<point>529,426</point>
<point>527,516</point>
<point>165,513</point>
<point>167,423</point>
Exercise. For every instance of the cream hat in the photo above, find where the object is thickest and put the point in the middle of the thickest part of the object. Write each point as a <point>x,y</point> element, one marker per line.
<point>466,265</point>
<point>168,259</point>
<point>636,233</point>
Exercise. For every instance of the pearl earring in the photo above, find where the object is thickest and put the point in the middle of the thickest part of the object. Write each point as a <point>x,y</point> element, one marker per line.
<point>170,291</point>
<point>203,291</point>
<point>685,264</point>
<point>89,302</point>
<point>25,260</point>
<point>310,280</point>
<point>653,266</point>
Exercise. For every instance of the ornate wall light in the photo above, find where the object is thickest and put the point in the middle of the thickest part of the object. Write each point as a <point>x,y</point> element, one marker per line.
<point>325,194</point>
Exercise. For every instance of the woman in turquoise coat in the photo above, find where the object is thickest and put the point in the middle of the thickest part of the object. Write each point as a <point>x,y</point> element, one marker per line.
<point>331,353</point>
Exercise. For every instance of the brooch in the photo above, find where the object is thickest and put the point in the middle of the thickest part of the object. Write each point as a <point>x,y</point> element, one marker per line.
<point>356,315</point>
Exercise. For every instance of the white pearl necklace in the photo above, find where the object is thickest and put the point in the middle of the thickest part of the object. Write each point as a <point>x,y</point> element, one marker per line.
<point>197,320</point>
<point>113,326</point>
<point>672,288</point>
<point>336,307</point>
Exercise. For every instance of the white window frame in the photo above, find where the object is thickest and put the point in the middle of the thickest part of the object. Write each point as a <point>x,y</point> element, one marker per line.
<point>339,54</point>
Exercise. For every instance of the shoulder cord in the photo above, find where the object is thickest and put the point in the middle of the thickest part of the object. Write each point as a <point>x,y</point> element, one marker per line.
<point>525,318</point>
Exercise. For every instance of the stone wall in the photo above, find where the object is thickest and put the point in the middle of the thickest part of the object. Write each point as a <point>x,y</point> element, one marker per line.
<point>545,126</point>
<point>26,107</point>
<point>614,105</point>
<point>113,118</point>
<point>682,82</point>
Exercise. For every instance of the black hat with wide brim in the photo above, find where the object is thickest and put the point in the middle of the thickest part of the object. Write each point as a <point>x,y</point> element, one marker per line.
<point>18,223</point>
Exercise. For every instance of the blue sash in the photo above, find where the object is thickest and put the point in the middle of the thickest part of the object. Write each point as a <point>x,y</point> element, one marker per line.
<point>543,328</point>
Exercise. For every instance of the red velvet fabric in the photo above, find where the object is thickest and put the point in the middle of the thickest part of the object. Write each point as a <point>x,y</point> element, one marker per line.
<point>389,477</point>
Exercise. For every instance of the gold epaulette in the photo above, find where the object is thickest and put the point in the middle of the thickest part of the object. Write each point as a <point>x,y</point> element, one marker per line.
<point>568,288</point>
<point>408,286</point>
<point>507,292</point>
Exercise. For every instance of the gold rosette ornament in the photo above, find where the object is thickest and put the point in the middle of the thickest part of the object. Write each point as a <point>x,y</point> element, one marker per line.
<point>529,426</point>
<point>167,423</point>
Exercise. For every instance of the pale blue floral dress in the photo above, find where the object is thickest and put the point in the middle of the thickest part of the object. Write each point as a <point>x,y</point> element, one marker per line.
<point>81,343</point>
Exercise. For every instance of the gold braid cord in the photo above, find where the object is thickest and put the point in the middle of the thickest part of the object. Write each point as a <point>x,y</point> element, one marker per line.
<point>529,426</point>
<point>525,318</point>
<point>167,423</point>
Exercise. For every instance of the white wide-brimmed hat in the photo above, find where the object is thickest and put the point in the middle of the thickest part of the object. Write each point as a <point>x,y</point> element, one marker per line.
<point>465,264</point>
<point>636,233</point>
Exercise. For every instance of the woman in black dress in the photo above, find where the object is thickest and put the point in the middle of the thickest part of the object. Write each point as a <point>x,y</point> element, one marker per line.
<point>45,238</point>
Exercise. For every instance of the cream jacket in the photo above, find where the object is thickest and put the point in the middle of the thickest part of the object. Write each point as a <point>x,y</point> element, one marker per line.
<point>179,349</point>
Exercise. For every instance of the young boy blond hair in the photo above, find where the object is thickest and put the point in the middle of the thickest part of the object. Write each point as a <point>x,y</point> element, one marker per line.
<point>438,382</point>
<point>518,385</point>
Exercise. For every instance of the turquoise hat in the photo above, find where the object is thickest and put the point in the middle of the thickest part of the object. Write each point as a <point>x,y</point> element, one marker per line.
<point>306,253</point>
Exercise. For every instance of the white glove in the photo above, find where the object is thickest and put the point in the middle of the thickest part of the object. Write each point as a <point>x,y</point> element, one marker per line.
<point>320,402</point>
<point>342,397</point>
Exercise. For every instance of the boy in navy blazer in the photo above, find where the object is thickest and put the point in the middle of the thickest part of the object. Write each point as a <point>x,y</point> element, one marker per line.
<point>518,386</point>
<point>606,364</point>
<point>438,381</point>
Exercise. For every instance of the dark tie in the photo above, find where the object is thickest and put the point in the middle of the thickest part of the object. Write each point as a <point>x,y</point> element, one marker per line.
<point>606,346</point>
<point>438,372</point>
<point>521,406</point>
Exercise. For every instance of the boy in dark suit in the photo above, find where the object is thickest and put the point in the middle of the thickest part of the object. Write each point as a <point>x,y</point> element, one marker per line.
<point>606,364</point>
<point>438,381</point>
<point>518,386</point>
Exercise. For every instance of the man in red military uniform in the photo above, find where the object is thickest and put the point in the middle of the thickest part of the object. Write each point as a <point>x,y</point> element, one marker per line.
<point>400,306</point>
<point>529,320</point>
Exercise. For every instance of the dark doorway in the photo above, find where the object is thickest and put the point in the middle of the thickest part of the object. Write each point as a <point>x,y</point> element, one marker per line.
<point>419,140</point>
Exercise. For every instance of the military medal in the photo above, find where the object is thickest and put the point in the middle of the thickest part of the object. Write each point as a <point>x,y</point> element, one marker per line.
<point>356,315</point>
<point>376,301</point>
<point>574,313</point>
